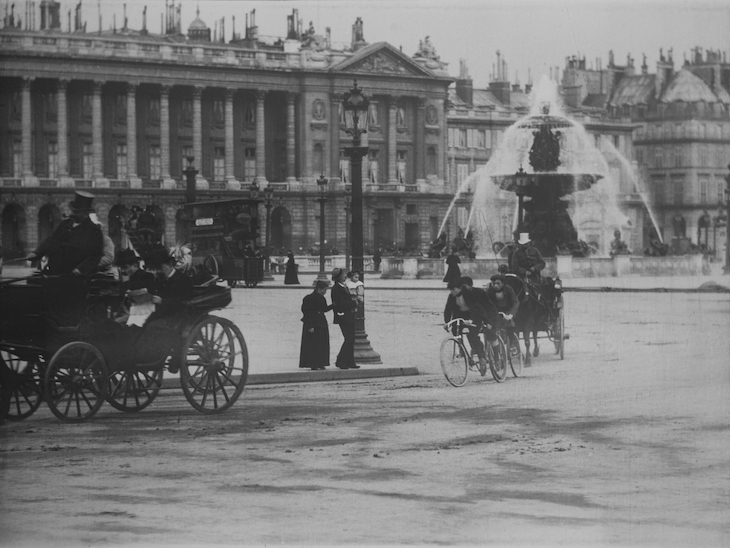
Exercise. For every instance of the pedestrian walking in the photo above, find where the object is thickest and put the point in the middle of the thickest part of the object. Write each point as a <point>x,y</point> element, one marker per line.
<point>453,272</point>
<point>314,353</point>
<point>377,259</point>
<point>344,308</point>
<point>290,277</point>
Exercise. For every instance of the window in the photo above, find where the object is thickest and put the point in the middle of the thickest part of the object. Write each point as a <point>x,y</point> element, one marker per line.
<point>719,157</point>
<point>470,140</point>
<point>186,114</point>
<point>120,109</point>
<point>121,160</point>
<point>431,161</point>
<point>86,108</point>
<point>677,191</point>
<point>657,184</point>
<point>344,168</point>
<point>373,114</point>
<point>155,163</point>
<point>639,155</point>
<point>462,172</point>
<point>704,190</point>
<point>617,141</point>
<point>678,157</point>
<point>373,166</point>
<point>462,138</point>
<point>153,112</point>
<point>17,159</point>
<point>219,163</point>
<point>704,160</point>
<point>496,138</point>
<point>317,160</point>
<point>658,157</point>
<point>720,192</point>
<point>481,139</point>
<point>87,158</point>
<point>50,106</point>
<point>402,165</point>
<point>52,160</point>
<point>218,113</point>
<point>462,216</point>
<point>249,164</point>
<point>400,117</point>
<point>184,153</point>
<point>452,137</point>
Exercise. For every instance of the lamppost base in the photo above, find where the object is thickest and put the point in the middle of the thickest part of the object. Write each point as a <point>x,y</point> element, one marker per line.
<point>364,353</point>
<point>321,276</point>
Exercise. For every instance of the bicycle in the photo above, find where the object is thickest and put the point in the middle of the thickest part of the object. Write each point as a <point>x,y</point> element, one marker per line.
<point>456,356</point>
<point>514,354</point>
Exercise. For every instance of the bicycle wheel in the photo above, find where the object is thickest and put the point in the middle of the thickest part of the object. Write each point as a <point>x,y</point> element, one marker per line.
<point>454,361</point>
<point>515,356</point>
<point>498,364</point>
<point>25,384</point>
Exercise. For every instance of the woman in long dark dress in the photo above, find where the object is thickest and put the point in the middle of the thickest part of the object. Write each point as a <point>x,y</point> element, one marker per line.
<point>290,277</point>
<point>453,273</point>
<point>315,350</point>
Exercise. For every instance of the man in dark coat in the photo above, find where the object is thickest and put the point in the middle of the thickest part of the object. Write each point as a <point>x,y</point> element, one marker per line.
<point>526,260</point>
<point>344,308</point>
<point>290,276</point>
<point>505,300</point>
<point>453,272</point>
<point>315,350</point>
<point>76,245</point>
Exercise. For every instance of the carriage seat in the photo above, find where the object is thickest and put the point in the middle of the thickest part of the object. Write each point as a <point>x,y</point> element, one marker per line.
<point>210,297</point>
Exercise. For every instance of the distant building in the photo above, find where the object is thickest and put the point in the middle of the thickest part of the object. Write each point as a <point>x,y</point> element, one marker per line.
<point>681,136</point>
<point>119,111</point>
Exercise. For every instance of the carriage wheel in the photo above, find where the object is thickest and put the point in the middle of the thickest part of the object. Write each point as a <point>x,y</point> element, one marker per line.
<point>76,382</point>
<point>211,265</point>
<point>498,366</point>
<point>24,390</point>
<point>215,365</point>
<point>251,283</point>
<point>454,361</point>
<point>515,356</point>
<point>232,283</point>
<point>132,390</point>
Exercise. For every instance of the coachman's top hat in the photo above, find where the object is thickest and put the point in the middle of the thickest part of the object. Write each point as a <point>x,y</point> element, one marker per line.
<point>82,202</point>
<point>524,238</point>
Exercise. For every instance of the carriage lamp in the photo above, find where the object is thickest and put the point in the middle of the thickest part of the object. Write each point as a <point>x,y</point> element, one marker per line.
<point>355,106</point>
<point>521,179</point>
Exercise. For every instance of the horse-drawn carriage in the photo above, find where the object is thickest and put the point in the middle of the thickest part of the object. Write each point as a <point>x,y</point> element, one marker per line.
<point>59,343</point>
<point>223,239</point>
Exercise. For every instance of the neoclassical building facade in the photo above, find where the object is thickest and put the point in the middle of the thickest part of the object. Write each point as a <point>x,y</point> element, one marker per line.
<point>119,113</point>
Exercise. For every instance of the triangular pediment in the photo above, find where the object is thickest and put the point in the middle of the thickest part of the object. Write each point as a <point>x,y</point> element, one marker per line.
<point>382,58</point>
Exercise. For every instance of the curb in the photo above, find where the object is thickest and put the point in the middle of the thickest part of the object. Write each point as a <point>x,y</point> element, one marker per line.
<point>313,376</point>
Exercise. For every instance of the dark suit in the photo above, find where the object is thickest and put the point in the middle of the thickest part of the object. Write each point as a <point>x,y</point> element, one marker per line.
<point>525,258</point>
<point>70,247</point>
<point>141,279</point>
<point>344,308</point>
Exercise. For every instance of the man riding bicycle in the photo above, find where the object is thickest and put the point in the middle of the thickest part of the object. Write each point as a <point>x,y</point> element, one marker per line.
<point>504,299</point>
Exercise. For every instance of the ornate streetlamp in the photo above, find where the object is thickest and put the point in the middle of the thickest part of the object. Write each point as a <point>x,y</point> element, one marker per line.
<point>268,203</point>
<point>521,182</point>
<point>253,190</point>
<point>348,207</point>
<point>355,106</point>
<point>322,184</point>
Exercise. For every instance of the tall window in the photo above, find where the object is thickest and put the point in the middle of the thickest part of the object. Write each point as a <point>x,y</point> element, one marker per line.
<point>462,138</point>
<point>657,184</point>
<point>17,159</point>
<point>317,160</point>
<point>658,157</point>
<point>431,161</point>
<point>218,116</point>
<point>373,166</point>
<point>153,111</point>
<point>462,172</point>
<point>678,157</point>
<point>219,163</point>
<point>121,160</point>
<point>185,151</point>
<point>87,158</point>
<point>186,114</point>
<point>720,192</point>
<point>704,160</point>
<point>481,139</point>
<point>373,114</point>
<point>402,166</point>
<point>249,163</point>
<point>677,191</point>
<point>52,160</point>
<point>704,190</point>
<point>344,168</point>
<point>470,141</point>
<point>155,163</point>
<point>400,117</point>
<point>452,137</point>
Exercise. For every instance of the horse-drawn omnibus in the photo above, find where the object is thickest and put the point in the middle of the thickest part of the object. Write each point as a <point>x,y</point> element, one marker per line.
<point>224,235</point>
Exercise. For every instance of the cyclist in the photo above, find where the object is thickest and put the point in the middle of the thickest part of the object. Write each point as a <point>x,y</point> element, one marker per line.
<point>483,314</point>
<point>506,302</point>
<point>457,307</point>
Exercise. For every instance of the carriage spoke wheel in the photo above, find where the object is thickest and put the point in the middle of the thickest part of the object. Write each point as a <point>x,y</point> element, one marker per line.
<point>215,365</point>
<point>132,390</point>
<point>498,364</point>
<point>454,361</point>
<point>76,380</point>
<point>515,356</point>
<point>24,391</point>
<point>559,334</point>
<point>211,265</point>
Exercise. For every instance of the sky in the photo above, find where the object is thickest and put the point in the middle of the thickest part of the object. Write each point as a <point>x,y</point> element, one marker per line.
<point>532,35</point>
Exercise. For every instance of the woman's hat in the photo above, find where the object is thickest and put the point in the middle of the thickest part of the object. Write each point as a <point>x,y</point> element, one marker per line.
<point>82,202</point>
<point>524,238</point>
<point>126,257</point>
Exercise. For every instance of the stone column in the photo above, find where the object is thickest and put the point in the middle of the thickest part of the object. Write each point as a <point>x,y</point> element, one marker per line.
<point>200,182</point>
<point>291,144</point>
<point>260,138</point>
<point>231,182</point>
<point>167,180</point>
<point>392,141</point>
<point>335,102</point>
<point>134,180</point>
<point>97,137</point>
<point>29,179</point>
<point>62,134</point>
<point>419,141</point>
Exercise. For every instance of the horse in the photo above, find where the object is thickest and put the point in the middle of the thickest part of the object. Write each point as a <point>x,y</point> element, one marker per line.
<point>535,312</point>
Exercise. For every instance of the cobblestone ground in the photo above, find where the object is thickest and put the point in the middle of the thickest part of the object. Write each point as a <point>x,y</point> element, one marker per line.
<point>624,442</point>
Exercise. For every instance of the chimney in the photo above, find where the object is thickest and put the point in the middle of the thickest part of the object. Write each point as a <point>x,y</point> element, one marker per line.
<point>501,90</point>
<point>464,84</point>
<point>664,72</point>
